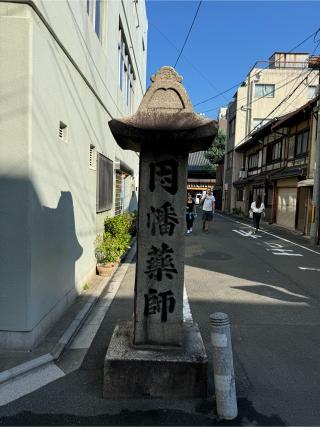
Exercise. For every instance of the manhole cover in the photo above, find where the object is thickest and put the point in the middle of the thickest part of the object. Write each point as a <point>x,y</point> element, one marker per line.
<point>215,256</point>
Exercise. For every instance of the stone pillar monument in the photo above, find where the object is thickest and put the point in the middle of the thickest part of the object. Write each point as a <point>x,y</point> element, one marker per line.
<point>160,355</point>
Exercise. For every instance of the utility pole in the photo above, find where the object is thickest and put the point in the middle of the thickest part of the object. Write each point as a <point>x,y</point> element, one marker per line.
<point>315,214</point>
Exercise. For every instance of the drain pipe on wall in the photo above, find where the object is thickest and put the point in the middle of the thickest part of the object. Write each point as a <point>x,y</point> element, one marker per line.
<point>224,381</point>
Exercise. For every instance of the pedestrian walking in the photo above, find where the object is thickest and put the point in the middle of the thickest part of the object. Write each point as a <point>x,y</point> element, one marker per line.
<point>190,213</point>
<point>257,208</point>
<point>208,206</point>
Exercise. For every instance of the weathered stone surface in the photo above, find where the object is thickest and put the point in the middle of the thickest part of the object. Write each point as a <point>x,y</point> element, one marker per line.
<point>160,262</point>
<point>166,357</point>
<point>165,118</point>
<point>130,372</point>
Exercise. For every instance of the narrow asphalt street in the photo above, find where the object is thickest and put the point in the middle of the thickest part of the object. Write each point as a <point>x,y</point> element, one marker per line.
<point>271,290</point>
<point>269,286</point>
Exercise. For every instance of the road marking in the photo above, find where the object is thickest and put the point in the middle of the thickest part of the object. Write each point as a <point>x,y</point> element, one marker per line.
<point>278,249</point>
<point>187,315</point>
<point>270,234</point>
<point>286,252</point>
<point>275,248</point>
<point>309,268</point>
<point>247,234</point>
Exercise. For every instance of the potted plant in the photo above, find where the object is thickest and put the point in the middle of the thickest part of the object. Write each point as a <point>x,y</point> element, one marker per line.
<point>107,253</point>
<point>109,247</point>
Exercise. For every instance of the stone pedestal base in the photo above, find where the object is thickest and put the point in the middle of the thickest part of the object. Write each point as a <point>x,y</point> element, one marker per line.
<point>134,373</point>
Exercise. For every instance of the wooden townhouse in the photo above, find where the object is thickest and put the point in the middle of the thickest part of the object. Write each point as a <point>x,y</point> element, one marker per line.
<point>278,163</point>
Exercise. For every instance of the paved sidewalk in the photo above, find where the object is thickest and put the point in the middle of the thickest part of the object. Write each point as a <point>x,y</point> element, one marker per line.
<point>64,331</point>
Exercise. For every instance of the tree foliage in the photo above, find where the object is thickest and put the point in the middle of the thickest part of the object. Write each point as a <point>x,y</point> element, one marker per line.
<point>216,151</point>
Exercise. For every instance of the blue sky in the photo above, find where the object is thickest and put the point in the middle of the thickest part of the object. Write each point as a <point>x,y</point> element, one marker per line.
<point>227,38</point>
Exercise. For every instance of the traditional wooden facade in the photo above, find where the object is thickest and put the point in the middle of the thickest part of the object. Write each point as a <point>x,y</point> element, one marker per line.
<point>201,174</point>
<point>278,164</point>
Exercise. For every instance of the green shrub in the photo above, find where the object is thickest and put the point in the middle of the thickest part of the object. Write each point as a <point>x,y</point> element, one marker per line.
<point>116,238</point>
<point>107,249</point>
<point>119,225</point>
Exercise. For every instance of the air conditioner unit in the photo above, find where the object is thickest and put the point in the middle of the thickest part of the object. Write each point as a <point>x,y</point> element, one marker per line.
<point>243,174</point>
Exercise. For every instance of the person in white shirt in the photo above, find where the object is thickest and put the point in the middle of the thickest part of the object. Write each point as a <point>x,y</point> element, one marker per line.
<point>257,208</point>
<point>208,205</point>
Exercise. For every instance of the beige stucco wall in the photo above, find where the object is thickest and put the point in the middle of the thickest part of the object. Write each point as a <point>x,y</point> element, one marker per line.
<point>49,222</point>
<point>286,80</point>
<point>15,102</point>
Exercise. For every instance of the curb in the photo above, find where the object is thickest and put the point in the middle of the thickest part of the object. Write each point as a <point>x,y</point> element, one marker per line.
<point>75,326</point>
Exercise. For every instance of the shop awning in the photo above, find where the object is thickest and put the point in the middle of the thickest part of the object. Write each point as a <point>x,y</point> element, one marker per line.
<point>289,173</point>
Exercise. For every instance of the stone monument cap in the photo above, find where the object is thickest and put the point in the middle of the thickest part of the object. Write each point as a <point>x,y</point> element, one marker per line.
<point>165,117</point>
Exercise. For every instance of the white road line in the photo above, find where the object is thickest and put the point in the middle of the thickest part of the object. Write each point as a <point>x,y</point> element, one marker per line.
<point>270,234</point>
<point>187,315</point>
<point>247,234</point>
<point>29,382</point>
<point>309,268</point>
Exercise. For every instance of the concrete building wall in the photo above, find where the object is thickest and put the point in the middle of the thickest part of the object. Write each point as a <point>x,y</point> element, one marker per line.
<point>15,101</point>
<point>247,106</point>
<point>57,70</point>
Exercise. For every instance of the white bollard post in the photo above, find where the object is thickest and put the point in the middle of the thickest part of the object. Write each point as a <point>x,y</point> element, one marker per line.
<point>224,381</point>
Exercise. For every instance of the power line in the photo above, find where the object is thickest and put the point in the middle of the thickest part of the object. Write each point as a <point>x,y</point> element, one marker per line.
<point>186,39</point>
<point>286,98</point>
<point>186,58</point>
<point>279,105</point>
<point>314,34</point>
<point>256,99</point>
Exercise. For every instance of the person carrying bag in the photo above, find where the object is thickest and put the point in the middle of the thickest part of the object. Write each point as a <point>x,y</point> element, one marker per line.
<point>255,212</point>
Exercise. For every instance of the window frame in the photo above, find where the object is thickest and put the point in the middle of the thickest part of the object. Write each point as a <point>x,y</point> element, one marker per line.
<point>230,160</point>
<point>231,126</point>
<point>126,75</point>
<point>271,148</point>
<point>240,194</point>
<point>270,94</point>
<point>94,9</point>
<point>300,144</point>
<point>107,203</point>
<point>253,164</point>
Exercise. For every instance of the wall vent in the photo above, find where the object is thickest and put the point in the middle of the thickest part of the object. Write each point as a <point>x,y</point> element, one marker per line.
<point>63,132</point>
<point>92,157</point>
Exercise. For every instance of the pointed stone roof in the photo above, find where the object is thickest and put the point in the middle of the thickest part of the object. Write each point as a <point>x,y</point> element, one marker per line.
<point>165,117</point>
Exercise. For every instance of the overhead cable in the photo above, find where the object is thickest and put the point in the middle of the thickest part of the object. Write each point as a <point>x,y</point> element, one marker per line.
<point>186,58</point>
<point>186,39</point>
<point>314,35</point>
<point>278,106</point>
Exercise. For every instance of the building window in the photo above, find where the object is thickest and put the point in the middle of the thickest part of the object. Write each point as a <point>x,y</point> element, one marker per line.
<point>97,17</point>
<point>121,49</point>
<point>312,91</point>
<point>92,157</point>
<point>274,152</point>
<point>301,143</point>
<point>239,194</point>
<point>126,73</point>
<point>230,160</point>
<point>264,91</point>
<point>129,86</point>
<point>231,126</point>
<point>63,132</point>
<point>94,13</point>
<point>104,184</point>
<point>253,160</point>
